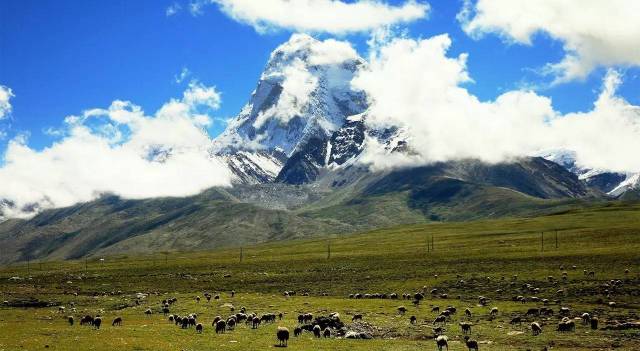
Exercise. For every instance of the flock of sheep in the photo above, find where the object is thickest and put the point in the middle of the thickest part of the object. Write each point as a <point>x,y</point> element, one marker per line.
<point>331,325</point>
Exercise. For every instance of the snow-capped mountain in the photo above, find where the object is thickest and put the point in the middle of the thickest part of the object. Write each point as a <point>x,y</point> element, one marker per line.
<point>610,182</point>
<point>304,93</point>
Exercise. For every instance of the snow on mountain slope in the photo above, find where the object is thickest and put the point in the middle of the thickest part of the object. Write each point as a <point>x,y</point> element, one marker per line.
<point>303,92</point>
<point>632,182</point>
<point>254,167</point>
<point>610,182</point>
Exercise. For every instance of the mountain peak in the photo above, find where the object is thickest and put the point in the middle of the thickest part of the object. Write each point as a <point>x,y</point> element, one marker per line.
<point>303,93</point>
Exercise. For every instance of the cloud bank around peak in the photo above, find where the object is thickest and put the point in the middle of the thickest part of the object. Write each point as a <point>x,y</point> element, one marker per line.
<point>414,85</point>
<point>593,33</point>
<point>118,150</point>
<point>326,16</point>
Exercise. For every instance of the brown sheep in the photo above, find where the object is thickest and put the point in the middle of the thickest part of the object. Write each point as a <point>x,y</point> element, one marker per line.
<point>471,344</point>
<point>402,310</point>
<point>594,323</point>
<point>327,332</point>
<point>70,320</point>
<point>282,334</point>
<point>97,322</point>
<point>297,331</point>
<point>466,327</point>
<point>221,327</point>
<point>316,331</point>
<point>199,328</point>
<point>356,317</point>
<point>116,322</point>
<point>467,312</point>
<point>413,320</point>
<point>255,322</point>
<point>535,328</point>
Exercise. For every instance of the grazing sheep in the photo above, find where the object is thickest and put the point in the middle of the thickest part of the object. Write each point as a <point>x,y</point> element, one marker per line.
<point>116,322</point>
<point>494,311</point>
<point>233,293</point>
<point>184,323</point>
<point>402,310</point>
<point>97,322</point>
<point>435,309</point>
<point>467,312</point>
<point>255,323</point>
<point>70,320</point>
<point>466,327</point>
<point>440,320</point>
<point>586,318</point>
<point>442,342</point>
<point>413,320</point>
<point>327,332</point>
<point>231,323</point>
<point>165,310</point>
<point>88,320</point>
<point>516,320</point>
<point>612,304</point>
<point>316,331</point>
<point>148,312</point>
<point>535,328</point>
<point>307,317</point>
<point>566,325</point>
<point>282,334</point>
<point>594,323</point>
<point>356,317</point>
<point>533,312</point>
<point>280,315</point>
<point>215,320</point>
<point>171,318</point>
<point>565,311</point>
<point>199,328</point>
<point>221,327</point>
<point>197,299</point>
<point>297,331</point>
<point>471,344</point>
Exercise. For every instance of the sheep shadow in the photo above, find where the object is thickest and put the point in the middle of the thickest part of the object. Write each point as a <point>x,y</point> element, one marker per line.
<point>278,345</point>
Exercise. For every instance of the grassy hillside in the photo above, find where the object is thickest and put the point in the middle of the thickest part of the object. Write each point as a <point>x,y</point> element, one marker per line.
<point>485,255</point>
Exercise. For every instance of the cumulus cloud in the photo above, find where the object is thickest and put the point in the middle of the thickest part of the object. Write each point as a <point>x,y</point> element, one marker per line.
<point>593,33</point>
<point>414,85</point>
<point>118,150</point>
<point>5,104</point>
<point>330,16</point>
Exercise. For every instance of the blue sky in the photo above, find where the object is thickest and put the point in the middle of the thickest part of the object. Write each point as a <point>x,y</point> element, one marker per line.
<point>62,57</point>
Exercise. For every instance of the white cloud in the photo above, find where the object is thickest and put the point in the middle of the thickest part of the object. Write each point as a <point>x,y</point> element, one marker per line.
<point>182,76</point>
<point>5,104</point>
<point>297,85</point>
<point>594,33</point>
<point>196,6</point>
<point>330,16</point>
<point>173,9</point>
<point>414,85</point>
<point>118,150</point>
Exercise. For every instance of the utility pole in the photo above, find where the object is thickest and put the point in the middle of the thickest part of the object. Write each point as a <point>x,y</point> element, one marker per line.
<point>556,239</point>
<point>432,248</point>
<point>85,265</point>
<point>428,248</point>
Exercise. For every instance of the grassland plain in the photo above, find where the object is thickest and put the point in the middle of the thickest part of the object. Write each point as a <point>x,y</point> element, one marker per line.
<point>468,259</point>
